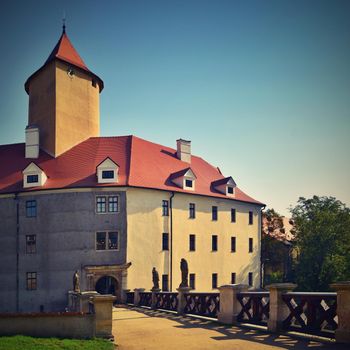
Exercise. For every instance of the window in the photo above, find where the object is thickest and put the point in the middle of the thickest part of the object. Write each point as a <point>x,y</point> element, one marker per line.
<point>192,209</point>
<point>214,213</point>
<point>192,281</point>
<point>188,183</point>
<point>230,190</point>
<point>32,179</point>
<point>250,218</point>
<point>31,209</point>
<point>192,243</point>
<point>233,244</point>
<point>250,245</point>
<point>214,243</point>
<point>165,283</point>
<point>233,278</point>
<point>250,278</point>
<point>113,204</point>
<point>107,240</point>
<point>30,244</point>
<point>214,280</point>
<point>100,204</point>
<point>31,281</point>
<point>107,174</point>
<point>165,207</point>
<point>165,242</point>
<point>233,215</point>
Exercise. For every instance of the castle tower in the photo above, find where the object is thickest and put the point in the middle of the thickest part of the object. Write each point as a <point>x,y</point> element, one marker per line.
<point>64,100</point>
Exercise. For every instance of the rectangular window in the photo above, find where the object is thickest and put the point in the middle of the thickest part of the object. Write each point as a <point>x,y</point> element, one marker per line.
<point>107,174</point>
<point>214,213</point>
<point>32,179</point>
<point>250,245</point>
<point>214,280</point>
<point>165,207</point>
<point>233,215</point>
<point>113,204</point>
<point>192,281</point>
<point>230,190</point>
<point>100,204</point>
<point>31,209</point>
<point>30,244</point>
<point>113,241</point>
<point>188,183</point>
<point>250,218</point>
<point>192,243</point>
<point>107,240</point>
<point>233,278</point>
<point>192,210</point>
<point>165,283</point>
<point>31,281</point>
<point>250,278</point>
<point>165,242</point>
<point>214,243</point>
<point>233,244</point>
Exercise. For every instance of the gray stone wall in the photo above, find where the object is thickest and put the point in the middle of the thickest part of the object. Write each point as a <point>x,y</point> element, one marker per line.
<point>65,228</point>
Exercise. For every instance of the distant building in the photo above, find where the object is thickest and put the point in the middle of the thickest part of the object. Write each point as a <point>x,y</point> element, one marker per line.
<point>110,207</point>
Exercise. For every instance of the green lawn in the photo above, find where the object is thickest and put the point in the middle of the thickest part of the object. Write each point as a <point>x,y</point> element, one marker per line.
<point>20,342</point>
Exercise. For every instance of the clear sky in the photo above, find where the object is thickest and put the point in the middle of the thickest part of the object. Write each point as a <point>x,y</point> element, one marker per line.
<point>261,88</point>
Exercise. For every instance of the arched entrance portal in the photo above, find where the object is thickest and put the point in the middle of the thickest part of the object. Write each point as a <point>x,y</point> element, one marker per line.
<point>107,285</point>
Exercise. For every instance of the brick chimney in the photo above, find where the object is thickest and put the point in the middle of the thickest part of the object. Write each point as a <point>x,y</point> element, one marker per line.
<point>183,150</point>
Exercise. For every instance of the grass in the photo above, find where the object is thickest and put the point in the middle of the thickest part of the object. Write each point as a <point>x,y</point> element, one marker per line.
<point>20,342</point>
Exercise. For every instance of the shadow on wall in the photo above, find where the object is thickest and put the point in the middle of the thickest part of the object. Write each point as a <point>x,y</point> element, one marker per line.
<point>255,336</point>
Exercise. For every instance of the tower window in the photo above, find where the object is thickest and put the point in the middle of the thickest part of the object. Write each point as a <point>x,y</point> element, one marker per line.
<point>192,210</point>
<point>214,213</point>
<point>233,215</point>
<point>32,179</point>
<point>214,280</point>
<point>233,278</point>
<point>192,281</point>
<point>165,241</point>
<point>233,244</point>
<point>192,243</point>
<point>250,245</point>
<point>250,218</point>
<point>165,207</point>
<point>165,283</point>
<point>214,243</point>
<point>250,278</point>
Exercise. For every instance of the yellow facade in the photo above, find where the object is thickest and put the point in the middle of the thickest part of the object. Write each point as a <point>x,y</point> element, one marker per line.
<point>146,225</point>
<point>64,106</point>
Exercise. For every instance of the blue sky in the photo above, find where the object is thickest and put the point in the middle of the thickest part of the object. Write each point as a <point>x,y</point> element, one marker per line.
<point>262,88</point>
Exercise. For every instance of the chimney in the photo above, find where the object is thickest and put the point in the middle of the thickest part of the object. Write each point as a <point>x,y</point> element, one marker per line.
<point>183,150</point>
<point>32,141</point>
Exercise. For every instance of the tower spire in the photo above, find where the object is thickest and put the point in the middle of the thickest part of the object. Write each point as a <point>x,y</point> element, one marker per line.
<point>64,23</point>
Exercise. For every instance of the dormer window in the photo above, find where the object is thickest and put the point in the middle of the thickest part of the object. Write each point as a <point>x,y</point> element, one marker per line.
<point>185,179</point>
<point>225,186</point>
<point>107,171</point>
<point>33,176</point>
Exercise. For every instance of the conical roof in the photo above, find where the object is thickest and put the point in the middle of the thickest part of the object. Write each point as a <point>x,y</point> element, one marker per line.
<point>65,51</point>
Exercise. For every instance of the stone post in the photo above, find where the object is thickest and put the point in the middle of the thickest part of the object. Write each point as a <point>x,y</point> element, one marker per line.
<point>123,295</point>
<point>103,305</point>
<point>85,299</point>
<point>154,297</point>
<point>181,299</point>
<point>229,304</point>
<point>342,333</point>
<point>278,309</point>
<point>73,301</point>
<point>137,292</point>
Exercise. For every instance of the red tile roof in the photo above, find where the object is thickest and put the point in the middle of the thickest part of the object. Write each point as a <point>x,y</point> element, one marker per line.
<point>141,164</point>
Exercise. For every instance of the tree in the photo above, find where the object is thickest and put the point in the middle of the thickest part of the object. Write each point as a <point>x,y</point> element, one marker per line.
<point>322,238</point>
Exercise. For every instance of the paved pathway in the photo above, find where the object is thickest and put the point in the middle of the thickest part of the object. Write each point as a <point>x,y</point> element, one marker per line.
<point>143,329</point>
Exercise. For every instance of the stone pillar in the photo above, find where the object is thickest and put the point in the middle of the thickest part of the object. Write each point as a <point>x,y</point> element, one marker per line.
<point>103,305</point>
<point>342,333</point>
<point>278,309</point>
<point>73,301</point>
<point>85,299</point>
<point>229,304</point>
<point>123,295</point>
<point>181,299</point>
<point>154,297</point>
<point>137,292</point>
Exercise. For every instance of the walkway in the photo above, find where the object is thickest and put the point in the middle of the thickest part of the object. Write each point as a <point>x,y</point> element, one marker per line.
<point>143,329</point>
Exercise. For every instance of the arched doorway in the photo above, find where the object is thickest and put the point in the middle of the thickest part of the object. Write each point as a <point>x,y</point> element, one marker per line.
<point>107,285</point>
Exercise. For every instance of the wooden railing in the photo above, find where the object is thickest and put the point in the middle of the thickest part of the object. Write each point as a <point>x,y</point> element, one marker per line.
<point>255,307</point>
<point>130,297</point>
<point>167,301</point>
<point>145,299</point>
<point>202,304</point>
<point>312,313</point>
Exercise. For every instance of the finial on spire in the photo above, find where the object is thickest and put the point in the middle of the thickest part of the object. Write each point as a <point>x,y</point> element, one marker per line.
<point>64,23</point>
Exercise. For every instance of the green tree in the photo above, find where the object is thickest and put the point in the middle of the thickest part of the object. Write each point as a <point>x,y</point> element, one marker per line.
<point>322,239</point>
